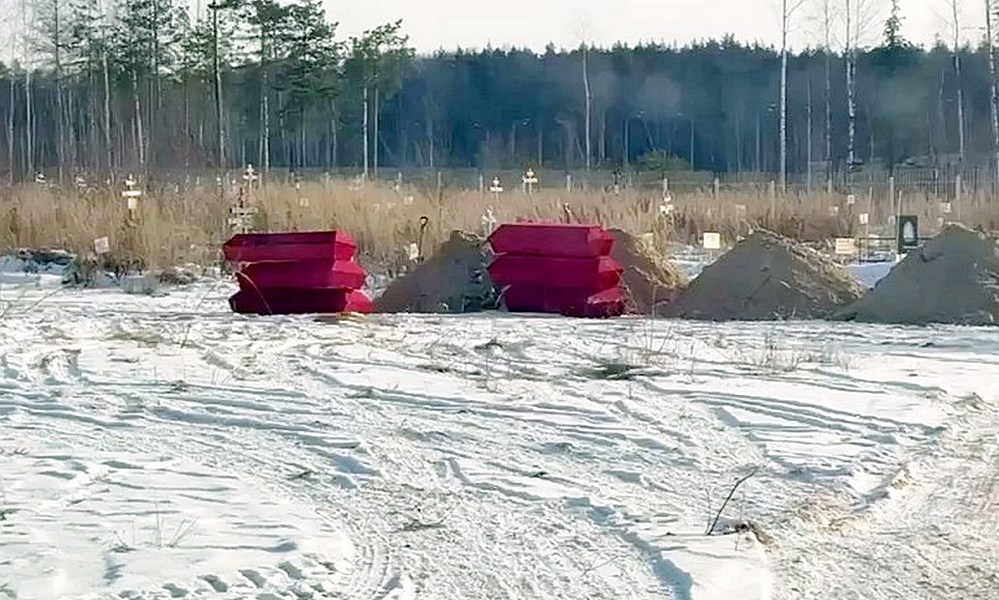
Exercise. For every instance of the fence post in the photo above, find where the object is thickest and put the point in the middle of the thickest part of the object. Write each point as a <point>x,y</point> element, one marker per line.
<point>717,186</point>
<point>891,189</point>
<point>773,202</point>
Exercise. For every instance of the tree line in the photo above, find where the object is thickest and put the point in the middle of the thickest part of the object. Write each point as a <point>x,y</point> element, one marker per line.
<point>146,86</point>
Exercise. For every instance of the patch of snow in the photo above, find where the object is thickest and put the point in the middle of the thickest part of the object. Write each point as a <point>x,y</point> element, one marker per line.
<point>869,273</point>
<point>722,567</point>
<point>691,259</point>
<point>486,455</point>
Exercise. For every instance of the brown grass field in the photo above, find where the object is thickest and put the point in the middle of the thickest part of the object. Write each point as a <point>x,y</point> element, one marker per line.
<point>176,228</point>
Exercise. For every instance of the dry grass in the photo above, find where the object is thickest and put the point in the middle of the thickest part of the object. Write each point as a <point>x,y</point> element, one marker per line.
<point>178,227</point>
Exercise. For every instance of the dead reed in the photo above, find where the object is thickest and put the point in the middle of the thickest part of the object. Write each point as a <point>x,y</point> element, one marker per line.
<point>174,227</point>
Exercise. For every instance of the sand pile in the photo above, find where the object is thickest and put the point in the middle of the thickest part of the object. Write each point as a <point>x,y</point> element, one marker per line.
<point>649,280</point>
<point>767,277</point>
<point>453,279</point>
<point>954,278</point>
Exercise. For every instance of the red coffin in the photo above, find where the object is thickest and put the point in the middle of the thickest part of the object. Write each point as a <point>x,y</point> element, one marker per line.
<point>551,239</point>
<point>305,301</point>
<point>308,274</point>
<point>594,273</point>
<point>568,302</point>
<point>296,245</point>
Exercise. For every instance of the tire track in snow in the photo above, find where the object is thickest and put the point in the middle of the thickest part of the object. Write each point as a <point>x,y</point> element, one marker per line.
<point>932,536</point>
<point>425,431</point>
<point>531,465</point>
<point>61,424</point>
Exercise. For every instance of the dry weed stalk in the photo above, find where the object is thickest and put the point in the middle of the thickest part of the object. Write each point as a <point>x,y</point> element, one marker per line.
<point>177,227</point>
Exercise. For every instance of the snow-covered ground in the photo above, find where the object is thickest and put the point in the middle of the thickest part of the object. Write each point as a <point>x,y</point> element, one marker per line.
<point>160,447</point>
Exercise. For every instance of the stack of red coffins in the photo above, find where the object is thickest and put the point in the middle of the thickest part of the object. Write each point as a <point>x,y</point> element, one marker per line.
<point>296,273</point>
<point>557,268</point>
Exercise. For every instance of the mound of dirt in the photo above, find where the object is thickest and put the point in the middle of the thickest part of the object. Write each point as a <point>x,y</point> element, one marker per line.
<point>649,280</point>
<point>954,279</point>
<point>453,279</point>
<point>767,277</point>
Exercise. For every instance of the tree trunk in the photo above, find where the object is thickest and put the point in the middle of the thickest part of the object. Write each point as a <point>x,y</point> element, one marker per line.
<point>29,124</point>
<point>759,145</point>
<point>335,127</point>
<point>827,18</point>
<point>60,112</point>
<point>783,99</point>
<point>588,101</point>
<point>994,101</point>
<point>541,148</point>
<point>217,74</point>
<point>957,81</point>
<point>430,138</point>
<point>364,129</point>
<point>603,137</point>
<point>10,130</point>
<point>154,91</point>
<point>738,142</point>
<point>108,147</point>
<point>140,139</point>
<point>851,108</point>
<point>377,110</point>
<point>265,110</point>
<point>808,142</point>
<point>94,119</point>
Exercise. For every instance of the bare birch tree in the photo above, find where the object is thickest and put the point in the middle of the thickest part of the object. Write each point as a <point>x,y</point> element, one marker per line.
<point>588,102</point>
<point>786,13</point>
<point>851,106</point>
<point>990,15</point>
<point>955,11</point>
<point>858,16</point>
<point>827,30</point>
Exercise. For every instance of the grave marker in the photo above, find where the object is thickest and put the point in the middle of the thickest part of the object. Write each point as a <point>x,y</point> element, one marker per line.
<point>131,195</point>
<point>530,179</point>
<point>907,233</point>
<point>846,246</point>
<point>711,241</point>
<point>495,188</point>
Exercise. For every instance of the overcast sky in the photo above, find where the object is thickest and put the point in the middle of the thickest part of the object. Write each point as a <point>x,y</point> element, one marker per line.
<point>434,24</point>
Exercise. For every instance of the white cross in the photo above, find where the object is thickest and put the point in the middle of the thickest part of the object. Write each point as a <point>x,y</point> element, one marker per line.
<point>130,195</point>
<point>250,176</point>
<point>530,180</point>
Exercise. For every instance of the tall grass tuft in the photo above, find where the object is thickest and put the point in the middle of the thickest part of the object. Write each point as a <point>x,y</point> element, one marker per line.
<point>175,226</point>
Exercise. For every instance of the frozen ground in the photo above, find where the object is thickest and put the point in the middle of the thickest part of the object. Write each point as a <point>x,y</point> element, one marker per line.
<point>162,447</point>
